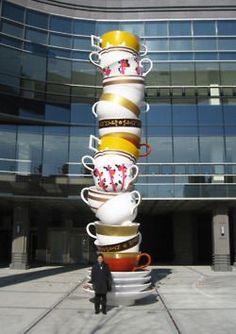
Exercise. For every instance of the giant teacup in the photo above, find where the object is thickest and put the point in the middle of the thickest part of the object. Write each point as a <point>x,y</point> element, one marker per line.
<point>94,198</point>
<point>108,56</point>
<point>125,125</point>
<point>111,176</point>
<point>128,67</point>
<point>126,261</point>
<point>120,209</point>
<point>130,97</point>
<point>127,246</point>
<point>116,38</point>
<point>128,230</point>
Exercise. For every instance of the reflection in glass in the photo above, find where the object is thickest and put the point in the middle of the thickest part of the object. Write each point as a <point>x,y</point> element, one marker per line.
<point>37,19</point>
<point>81,113</point>
<point>159,114</point>
<point>10,61</point>
<point>185,144</point>
<point>61,24</point>
<point>84,27</point>
<point>160,139</point>
<point>33,67</point>
<point>180,44</point>
<point>55,112</point>
<point>60,40</point>
<point>12,29</point>
<point>228,73</point>
<point>36,36</point>
<point>227,27</point>
<point>59,70</point>
<point>204,44</point>
<point>230,133</point>
<point>82,43</point>
<point>227,43</point>
<point>7,147</point>
<point>184,114</point>
<point>211,115</point>
<point>83,73</point>
<point>211,144</point>
<point>156,28</point>
<point>203,28</point>
<point>55,150</point>
<point>182,73</point>
<point>157,44</point>
<point>229,114</point>
<point>180,28</point>
<point>207,73</point>
<point>105,26</point>
<point>13,12</point>
<point>29,147</point>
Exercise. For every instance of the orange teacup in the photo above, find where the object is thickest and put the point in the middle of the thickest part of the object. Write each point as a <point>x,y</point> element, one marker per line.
<point>126,261</point>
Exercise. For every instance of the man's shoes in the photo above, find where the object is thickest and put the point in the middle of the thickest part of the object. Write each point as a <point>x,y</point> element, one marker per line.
<point>96,312</point>
<point>104,312</point>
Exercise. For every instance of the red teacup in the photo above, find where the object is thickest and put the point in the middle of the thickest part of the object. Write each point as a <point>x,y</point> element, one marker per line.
<point>126,261</point>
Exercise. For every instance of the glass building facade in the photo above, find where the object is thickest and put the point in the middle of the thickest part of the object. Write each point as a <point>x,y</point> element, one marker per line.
<point>48,86</point>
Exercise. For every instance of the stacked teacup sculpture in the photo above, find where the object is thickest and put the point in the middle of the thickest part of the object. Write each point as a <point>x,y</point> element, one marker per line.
<point>113,165</point>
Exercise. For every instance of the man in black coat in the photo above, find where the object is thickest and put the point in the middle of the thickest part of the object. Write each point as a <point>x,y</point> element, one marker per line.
<point>101,280</point>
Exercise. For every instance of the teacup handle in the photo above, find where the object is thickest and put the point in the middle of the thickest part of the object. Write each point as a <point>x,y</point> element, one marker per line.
<point>147,107</point>
<point>140,238</point>
<point>94,61</point>
<point>83,196</point>
<point>94,109</point>
<point>135,171</point>
<point>144,51</point>
<point>95,41</point>
<point>138,198</point>
<point>93,139</point>
<point>149,260</point>
<point>88,230</point>
<point>85,164</point>
<point>146,60</point>
<point>148,150</point>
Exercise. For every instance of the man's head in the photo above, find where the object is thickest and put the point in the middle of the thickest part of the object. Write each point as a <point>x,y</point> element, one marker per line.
<point>100,258</point>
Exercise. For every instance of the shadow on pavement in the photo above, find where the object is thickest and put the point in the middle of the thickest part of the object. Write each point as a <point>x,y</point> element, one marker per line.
<point>30,276</point>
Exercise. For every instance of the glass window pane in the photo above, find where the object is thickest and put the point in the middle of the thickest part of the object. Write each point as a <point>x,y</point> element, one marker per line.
<point>184,114</point>
<point>59,70</point>
<point>185,144</point>
<point>62,24</point>
<point>181,56</point>
<point>10,61</point>
<point>229,114</point>
<point>227,43</point>
<point>160,114</point>
<point>228,73</point>
<point>204,28</point>
<point>84,27</point>
<point>29,147</point>
<point>103,27</point>
<point>37,19</point>
<point>12,29</point>
<point>230,133</point>
<point>207,73</point>
<point>83,73</point>
<point>55,150</point>
<point>204,43</point>
<point>82,43</point>
<point>227,55</point>
<point>206,55</point>
<point>211,115</point>
<point>157,44</point>
<point>181,28</point>
<point>155,28</point>
<point>227,27</point>
<point>136,28</point>
<point>13,12</point>
<point>36,36</point>
<point>182,74</point>
<point>180,44</point>
<point>8,141</point>
<point>80,55</point>
<point>11,41</point>
<point>62,53</point>
<point>211,144</point>
<point>160,139</point>
<point>159,75</point>
<point>34,67</point>
<point>79,142</point>
<point>81,113</point>
<point>60,40</point>
<point>57,113</point>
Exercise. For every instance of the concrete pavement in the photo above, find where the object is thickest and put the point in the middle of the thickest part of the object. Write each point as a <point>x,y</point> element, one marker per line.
<point>50,300</point>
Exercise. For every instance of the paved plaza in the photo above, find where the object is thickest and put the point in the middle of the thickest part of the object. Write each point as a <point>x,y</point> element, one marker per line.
<point>49,300</point>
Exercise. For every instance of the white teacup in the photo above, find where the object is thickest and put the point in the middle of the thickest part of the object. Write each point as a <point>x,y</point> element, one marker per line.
<point>94,198</point>
<point>130,97</point>
<point>119,209</point>
<point>125,230</point>
<point>108,56</point>
<point>128,67</point>
<point>110,176</point>
<point>103,109</point>
<point>130,245</point>
<point>129,125</point>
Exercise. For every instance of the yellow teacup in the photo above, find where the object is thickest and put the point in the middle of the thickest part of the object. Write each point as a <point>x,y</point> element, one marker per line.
<point>119,38</point>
